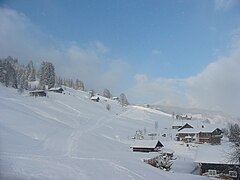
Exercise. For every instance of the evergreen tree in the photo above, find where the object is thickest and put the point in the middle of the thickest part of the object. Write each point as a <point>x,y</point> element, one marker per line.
<point>22,79</point>
<point>79,85</point>
<point>47,75</point>
<point>123,100</point>
<point>2,73</point>
<point>30,72</point>
<point>58,81</point>
<point>8,74</point>
<point>106,93</point>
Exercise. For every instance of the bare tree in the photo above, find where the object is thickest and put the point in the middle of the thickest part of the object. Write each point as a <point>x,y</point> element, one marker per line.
<point>91,93</point>
<point>235,155</point>
<point>156,125</point>
<point>234,136</point>
<point>108,107</point>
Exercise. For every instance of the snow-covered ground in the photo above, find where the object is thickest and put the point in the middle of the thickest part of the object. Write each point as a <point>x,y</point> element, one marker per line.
<point>68,136</point>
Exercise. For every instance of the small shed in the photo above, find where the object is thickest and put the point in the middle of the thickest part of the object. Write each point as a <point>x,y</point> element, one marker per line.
<point>115,98</point>
<point>146,146</point>
<point>57,90</point>
<point>95,98</point>
<point>38,93</point>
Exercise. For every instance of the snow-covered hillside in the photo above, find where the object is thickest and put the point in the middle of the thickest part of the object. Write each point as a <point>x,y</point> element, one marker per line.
<point>215,117</point>
<point>68,136</point>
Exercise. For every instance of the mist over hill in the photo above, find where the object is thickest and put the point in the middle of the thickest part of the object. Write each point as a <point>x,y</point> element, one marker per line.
<point>199,114</point>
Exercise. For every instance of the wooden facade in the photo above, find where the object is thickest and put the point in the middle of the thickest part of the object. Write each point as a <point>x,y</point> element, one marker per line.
<point>188,133</point>
<point>57,90</point>
<point>41,93</point>
<point>146,146</point>
<point>228,171</point>
<point>176,126</point>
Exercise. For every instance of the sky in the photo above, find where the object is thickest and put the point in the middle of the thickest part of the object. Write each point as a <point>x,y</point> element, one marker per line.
<point>179,53</point>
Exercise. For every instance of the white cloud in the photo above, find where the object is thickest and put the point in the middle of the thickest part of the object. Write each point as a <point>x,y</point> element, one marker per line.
<point>22,39</point>
<point>225,4</point>
<point>141,78</point>
<point>101,47</point>
<point>163,91</point>
<point>217,87</point>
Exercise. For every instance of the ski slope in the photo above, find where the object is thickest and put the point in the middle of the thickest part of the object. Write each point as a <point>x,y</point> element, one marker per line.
<point>68,136</point>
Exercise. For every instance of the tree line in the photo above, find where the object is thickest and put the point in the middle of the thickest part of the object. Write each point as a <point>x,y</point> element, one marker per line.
<point>19,76</point>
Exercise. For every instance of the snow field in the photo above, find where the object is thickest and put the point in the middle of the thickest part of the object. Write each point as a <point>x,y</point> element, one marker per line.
<point>68,136</point>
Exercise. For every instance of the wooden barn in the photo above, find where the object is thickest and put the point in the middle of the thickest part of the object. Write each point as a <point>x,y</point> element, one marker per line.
<point>95,98</point>
<point>57,90</point>
<point>38,93</point>
<point>146,146</point>
<point>213,161</point>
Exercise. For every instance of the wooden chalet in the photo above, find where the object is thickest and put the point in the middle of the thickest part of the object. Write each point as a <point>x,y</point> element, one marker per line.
<point>146,146</point>
<point>57,90</point>
<point>213,162</point>
<point>38,93</point>
<point>202,134</point>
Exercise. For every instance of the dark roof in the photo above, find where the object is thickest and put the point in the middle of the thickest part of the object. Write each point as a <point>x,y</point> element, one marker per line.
<point>185,126</point>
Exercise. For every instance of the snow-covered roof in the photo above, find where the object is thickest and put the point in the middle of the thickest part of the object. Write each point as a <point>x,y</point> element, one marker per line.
<point>179,123</point>
<point>144,144</point>
<point>189,131</point>
<point>203,127</point>
<point>193,123</point>
<point>94,98</point>
<point>57,88</point>
<point>218,154</point>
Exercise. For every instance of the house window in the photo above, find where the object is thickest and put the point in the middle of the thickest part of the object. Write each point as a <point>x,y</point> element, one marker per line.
<point>233,174</point>
<point>212,172</point>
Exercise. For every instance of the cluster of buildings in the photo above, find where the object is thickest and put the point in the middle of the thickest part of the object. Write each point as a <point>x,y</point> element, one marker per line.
<point>211,158</point>
<point>43,93</point>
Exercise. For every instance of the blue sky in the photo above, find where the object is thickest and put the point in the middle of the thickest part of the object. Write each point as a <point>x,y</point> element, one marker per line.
<point>136,42</point>
<point>159,38</point>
